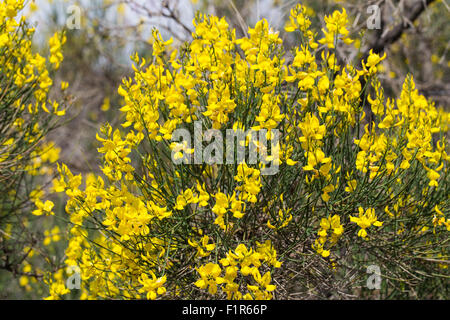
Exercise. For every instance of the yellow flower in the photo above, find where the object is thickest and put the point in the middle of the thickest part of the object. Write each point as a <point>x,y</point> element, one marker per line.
<point>373,60</point>
<point>209,274</point>
<point>298,19</point>
<point>336,29</point>
<point>152,286</point>
<point>264,281</point>
<point>365,220</point>
<point>351,186</point>
<point>204,248</point>
<point>106,104</point>
<point>56,42</point>
<point>184,199</point>
<point>52,236</point>
<point>433,176</point>
<point>43,208</point>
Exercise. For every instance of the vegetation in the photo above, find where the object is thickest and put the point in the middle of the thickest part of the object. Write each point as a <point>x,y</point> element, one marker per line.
<point>360,183</point>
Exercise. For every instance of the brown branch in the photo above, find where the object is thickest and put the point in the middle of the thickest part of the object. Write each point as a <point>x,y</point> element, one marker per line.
<point>379,44</point>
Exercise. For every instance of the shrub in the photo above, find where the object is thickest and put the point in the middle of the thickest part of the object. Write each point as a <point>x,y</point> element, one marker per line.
<point>27,115</point>
<point>348,193</point>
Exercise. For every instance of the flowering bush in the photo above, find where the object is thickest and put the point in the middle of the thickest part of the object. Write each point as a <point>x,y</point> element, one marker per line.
<point>27,115</point>
<point>349,192</point>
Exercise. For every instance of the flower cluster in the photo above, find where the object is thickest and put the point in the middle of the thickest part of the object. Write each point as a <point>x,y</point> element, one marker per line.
<point>28,112</point>
<point>241,266</point>
<point>150,227</point>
